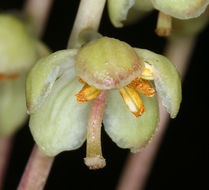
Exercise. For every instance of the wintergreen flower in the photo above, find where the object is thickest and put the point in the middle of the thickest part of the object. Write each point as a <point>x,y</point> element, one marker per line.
<point>18,52</point>
<point>60,87</point>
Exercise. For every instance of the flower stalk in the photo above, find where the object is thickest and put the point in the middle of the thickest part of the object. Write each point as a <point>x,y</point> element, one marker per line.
<point>88,17</point>
<point>38,10</point>
<point>5,147</point>
<point>36,171</point>
<point>138,166</point>
<point>94,158</point>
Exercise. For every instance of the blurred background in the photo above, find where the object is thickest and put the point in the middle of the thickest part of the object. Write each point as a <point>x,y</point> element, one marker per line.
<point>182,161</point>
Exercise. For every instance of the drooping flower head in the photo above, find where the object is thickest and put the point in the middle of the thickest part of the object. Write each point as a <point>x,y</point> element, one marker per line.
<point>69,91</point>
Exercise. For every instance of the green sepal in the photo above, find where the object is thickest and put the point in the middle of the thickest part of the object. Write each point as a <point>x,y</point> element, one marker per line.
<point>61,123</point>
<point>42,76</point>
<point>127,130</point>
<point>166,79</point>
<point>12,105</point>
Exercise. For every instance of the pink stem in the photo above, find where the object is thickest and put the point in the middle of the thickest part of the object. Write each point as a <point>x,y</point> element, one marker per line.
<point>138,166</point>
<point>5,147</point>
<point>38,10</point>
<point>36,171</point>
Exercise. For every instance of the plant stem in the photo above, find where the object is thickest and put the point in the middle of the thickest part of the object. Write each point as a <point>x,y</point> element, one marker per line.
<point>36,171</point>
<point>94,158</point>
<point>88,17</point>
<point>138,165</point>
<point>5,147</point>
<point>38,10</point>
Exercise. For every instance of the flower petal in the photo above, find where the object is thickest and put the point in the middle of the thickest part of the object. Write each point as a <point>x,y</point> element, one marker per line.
<point>118,11</point>
<point>12,105</point>
<point>126,130</point>
<point>166,78</point>
<point>61,123</point>
<point>43,75</point>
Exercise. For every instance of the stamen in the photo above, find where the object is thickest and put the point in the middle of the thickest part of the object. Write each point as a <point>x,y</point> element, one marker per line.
<point>142,86</point>
<point>81,81</point>
<point>164,24</point>
<point>94,158</point>
<point>9,76</point>
<point>132,100</point>
<point>147,73</point>
<point>87,93</point>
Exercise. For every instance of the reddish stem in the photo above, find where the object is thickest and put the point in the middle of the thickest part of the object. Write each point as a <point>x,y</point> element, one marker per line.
<point>36,171</point>
<point>138,165</point>
<point>5,147</point>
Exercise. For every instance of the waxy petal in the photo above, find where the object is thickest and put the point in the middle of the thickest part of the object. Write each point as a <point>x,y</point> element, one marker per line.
<point>118,11</point>
<point>126,130</point>
<point>12,105</point>
<point>43,75</point>
<point>61,123</point>
<point>166,78</point>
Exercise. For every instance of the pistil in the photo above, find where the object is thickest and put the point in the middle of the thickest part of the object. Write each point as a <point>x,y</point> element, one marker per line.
<point>94,158</point>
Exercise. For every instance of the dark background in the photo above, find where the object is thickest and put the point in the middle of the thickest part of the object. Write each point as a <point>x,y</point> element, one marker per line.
<point>182,161</point>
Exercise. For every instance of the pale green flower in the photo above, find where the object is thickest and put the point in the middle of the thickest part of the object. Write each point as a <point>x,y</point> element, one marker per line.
<point>59,103</point>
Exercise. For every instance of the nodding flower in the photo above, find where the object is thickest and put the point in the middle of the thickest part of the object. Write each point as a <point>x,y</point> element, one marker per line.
<point>70,92</point>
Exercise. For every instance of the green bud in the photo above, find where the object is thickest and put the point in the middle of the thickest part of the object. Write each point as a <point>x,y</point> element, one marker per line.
<point>107,63</point>
<point>17,47</point>
<point>182,9</point>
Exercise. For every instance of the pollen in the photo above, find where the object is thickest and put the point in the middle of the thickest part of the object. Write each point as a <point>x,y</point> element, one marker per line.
<point>87,93</point>
<point>142,86</point>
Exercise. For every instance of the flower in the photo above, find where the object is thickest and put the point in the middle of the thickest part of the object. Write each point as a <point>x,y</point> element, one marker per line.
<point>18,52</point>
<point>59,89</point>
<point>132,10</point>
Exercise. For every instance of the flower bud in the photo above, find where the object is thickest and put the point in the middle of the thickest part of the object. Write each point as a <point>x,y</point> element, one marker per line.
<point>107,63</point>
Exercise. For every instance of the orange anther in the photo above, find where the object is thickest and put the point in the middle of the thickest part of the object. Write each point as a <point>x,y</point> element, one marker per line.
<point>81,81</point>
<point>87,93</point>
<point>132,100</point>
<point>143,87</point>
